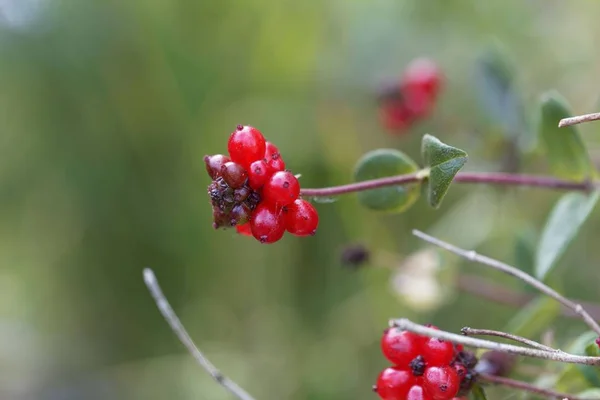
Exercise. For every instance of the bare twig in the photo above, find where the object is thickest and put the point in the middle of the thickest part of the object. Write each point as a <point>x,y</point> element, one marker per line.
<point>517,273</point>
<point>499,380</point>
<point>488,332</point>
<point>559,356</point>
<point>177,327</point>
<point>578,119</point>
<point>490,178</point>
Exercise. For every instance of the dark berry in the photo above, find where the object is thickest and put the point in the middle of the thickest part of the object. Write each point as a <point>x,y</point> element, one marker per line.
<point>282,188</point>
<point>417,366</point>
<point>400,347</point>
<point>394,383</point>
<point>417,392</point>
<point>266,223</point>
<point>241,194</point>
<point>214,164</point>
<point>354,255</point>
<point>246,145</point>
<point>301,218</point>
<point>441,383</point>
<point>233,174</point>
<point>244,229</point>
<point>258,173</point>
<point>438,351</point>
<point>239,215</point>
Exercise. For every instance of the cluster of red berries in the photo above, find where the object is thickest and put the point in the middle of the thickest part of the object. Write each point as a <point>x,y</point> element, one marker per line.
<point>424,368</point>
<point>252,190</point>
<point>412,99</point>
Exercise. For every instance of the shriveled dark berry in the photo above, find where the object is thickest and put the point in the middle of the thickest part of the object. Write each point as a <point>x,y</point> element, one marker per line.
<point>233,174</point>
<point>354,255</point>
<point>214,164</point>
<point>239,215</point>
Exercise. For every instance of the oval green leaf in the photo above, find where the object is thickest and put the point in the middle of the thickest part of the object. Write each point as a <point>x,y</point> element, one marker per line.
<point>443,162</point>
<point>566,151</point>
<point>477,393</point>
<point>567,216</point>
<point>381,163</point>
<point>585,345</point>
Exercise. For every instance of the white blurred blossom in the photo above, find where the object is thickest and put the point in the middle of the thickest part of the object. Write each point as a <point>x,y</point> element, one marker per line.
<point>20,14</point>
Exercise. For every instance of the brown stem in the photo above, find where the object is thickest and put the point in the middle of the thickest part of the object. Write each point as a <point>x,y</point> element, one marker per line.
<point>490,178</point>
<point>578,119</point>
<point>498,380</point>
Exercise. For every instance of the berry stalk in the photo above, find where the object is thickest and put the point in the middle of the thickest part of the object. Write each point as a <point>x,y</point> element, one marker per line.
<point>490,178</point>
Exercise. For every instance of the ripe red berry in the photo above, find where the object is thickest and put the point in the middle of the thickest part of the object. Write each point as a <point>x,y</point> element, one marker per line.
<point>400,347</point>
<point>395,116</point>
<point>246,145</point>
<point>301,218</point>
<point>437,351</point>
<point>442,383</point>
<point>234,174</point>
<point>266,223</point>
<point>273,158</point>
<point>417,392</point>
<point>423,75</point>
<point>394,383</point>
<point>244,229</point>
<point>461,370</point>
<point>258,173</point>
<point>214,164</point>
<point>282,188</point>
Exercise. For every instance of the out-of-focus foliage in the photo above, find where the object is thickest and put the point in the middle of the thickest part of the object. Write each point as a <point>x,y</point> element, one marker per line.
<point>106,110</point>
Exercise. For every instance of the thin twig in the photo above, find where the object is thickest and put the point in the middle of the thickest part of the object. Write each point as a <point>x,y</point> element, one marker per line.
<point>500,294</point>
<point>490,178</point>
<point>405,324</point>
<point>177,327</point>
<point>578,119</point>
<point>517,273</point>
<point>488,332</point>
<point>499,380</point>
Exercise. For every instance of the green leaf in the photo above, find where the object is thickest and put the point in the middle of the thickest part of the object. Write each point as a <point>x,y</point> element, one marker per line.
<point>477,393</point>
<point>534,318</point>
<point>566,151</point>
<point>567,216</point>
<point>498,92</point>
<point>443,162</point>
<point>381,163</point>
<point>585,345</point>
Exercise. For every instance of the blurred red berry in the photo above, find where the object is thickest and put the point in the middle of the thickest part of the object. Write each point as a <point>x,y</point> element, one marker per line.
<point>244,229</point>
<point>417,392</point>
<point>422,74</point>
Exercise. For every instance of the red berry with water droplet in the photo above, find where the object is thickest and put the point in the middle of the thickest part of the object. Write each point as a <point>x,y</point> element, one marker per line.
<point>246,145</point>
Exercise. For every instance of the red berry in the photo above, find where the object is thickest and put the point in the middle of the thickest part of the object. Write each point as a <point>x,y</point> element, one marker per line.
<point>442,383</point>
<point>422,75</point>
<point>266,223</point>
<point>461,370</point>
<point>459,347</point>
<point>417,392</point>
<point>246,145</point>
<point>258,174</point>
<point>233,174</point>
<point>301,218</point>
<point>417,101</point>
<point>244,229</point>
<point>282,188</point>
<point>400,347</point>
<point>598,341</point>
<point>273,158</point>
<point>437,351</point>
<point>394,383</point>
<point>214,164</point>
<point>395,116</point>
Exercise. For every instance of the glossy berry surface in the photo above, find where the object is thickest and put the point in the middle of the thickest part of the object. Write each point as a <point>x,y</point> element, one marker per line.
<point>234,174</point>
<point>437,351</point>
<point>246,145</point>
<point>442,383</point>
<point>400,347</point>
<point>393,383</point>
<point>214,164</point>
<point>273,158</point>
<point>266,223</point>
<point>282,188</point>
<point>301,218</point>
<point>417,392</point>
<point>258,173</point>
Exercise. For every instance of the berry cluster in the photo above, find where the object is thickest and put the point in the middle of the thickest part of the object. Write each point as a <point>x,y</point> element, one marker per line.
<point>412,99</point>
<point>424,368</point>
<point>252,190</point>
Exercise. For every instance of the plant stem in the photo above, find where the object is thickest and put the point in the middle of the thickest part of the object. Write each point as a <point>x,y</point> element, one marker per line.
<point>578,119</point>
<point>491,178</point>
<point>517,273</point>
<point>488,332</point>
<point>405,324</point>
<point>167,311</point>
<point>499,380</point>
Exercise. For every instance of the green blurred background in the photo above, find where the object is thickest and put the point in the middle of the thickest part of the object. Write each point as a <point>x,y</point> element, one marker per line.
<point>106,110</point>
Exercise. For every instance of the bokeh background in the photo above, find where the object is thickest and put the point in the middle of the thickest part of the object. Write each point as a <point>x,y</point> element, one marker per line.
<point>106,110</point>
